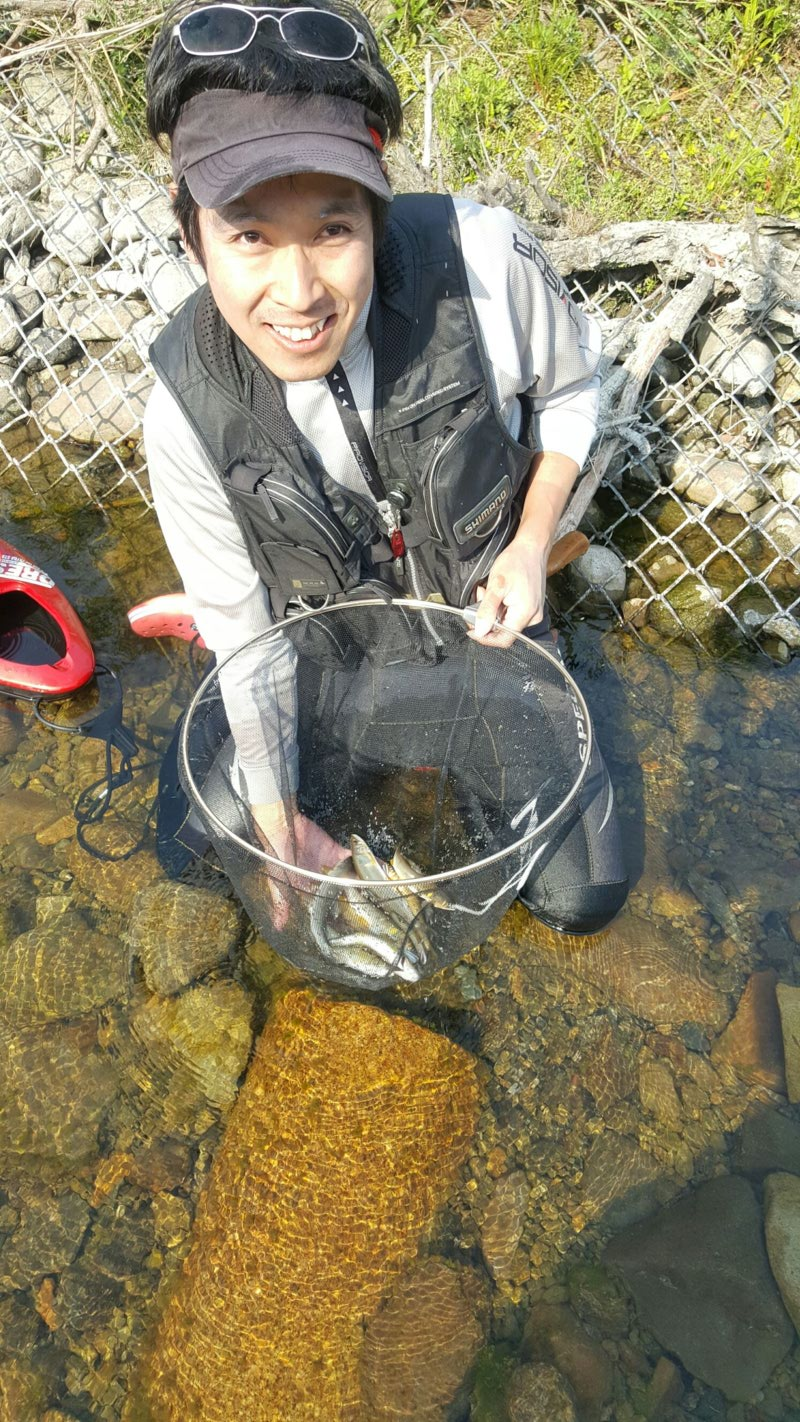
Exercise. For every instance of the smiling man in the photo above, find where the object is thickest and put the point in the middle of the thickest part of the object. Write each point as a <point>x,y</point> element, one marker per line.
<point>343,343</point>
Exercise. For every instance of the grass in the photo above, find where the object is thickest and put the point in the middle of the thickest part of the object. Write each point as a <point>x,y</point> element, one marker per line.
<point>627,108</point>
<point>630,108</point>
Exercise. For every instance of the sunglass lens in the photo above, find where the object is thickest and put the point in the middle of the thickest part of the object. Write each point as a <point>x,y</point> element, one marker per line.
<point>217,29</point>
<point>319,34</point>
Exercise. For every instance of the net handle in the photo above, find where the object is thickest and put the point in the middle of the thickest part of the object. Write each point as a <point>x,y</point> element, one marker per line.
<point>312,875</point>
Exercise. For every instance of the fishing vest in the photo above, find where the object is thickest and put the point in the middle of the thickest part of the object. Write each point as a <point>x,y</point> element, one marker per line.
<point>453,473</point>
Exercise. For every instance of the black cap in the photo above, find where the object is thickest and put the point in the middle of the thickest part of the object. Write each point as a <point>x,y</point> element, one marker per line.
<point>226,142</point>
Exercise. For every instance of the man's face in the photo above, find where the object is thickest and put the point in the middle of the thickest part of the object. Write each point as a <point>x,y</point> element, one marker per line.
<point>292,258</point>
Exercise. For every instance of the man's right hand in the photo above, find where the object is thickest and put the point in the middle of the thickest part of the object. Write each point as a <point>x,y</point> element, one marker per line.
<point>293,838</point>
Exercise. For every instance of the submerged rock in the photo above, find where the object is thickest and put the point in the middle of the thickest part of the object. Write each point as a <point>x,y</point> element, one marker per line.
<point>55,1091</point>
<point>701,1280</point>
<point>619,1181</point>
<point>60,969</point>
<point>635,965</point>
<point>48,1237</point>
<point>538,1393</point>
<point>751,1043</point>
<point>347,1136</point>
<point>782,1228</point>
<point>179,932</point>
<point>419,1347</point>
<point>788,998</point>
<point>503,1221</point>
<point>553,1335</point>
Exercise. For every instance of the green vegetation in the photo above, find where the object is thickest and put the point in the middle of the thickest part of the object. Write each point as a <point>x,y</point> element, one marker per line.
<point>623,108</point>
<point>655,108</point>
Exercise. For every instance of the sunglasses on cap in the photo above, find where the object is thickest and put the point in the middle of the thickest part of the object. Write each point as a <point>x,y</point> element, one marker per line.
<point>228,29</point>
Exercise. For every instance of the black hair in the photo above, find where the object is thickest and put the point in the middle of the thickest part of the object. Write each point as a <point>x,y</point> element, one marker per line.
<point>266,67</point>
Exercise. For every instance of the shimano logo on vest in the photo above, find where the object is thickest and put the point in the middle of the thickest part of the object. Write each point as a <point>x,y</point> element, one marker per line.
<point>485,515</point>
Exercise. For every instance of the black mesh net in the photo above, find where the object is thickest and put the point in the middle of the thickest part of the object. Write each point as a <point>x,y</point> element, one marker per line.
<point>433,773</point>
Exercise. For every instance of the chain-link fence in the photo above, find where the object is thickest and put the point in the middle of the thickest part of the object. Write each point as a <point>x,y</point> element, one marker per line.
<point>696,525</point>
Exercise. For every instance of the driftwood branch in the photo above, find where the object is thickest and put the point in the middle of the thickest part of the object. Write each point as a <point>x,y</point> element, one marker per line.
<point>761,260</point>
<point>621,392</point>
<point>74,40</point>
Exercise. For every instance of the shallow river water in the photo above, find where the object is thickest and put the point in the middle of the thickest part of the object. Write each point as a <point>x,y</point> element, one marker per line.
<point>532,1187</point>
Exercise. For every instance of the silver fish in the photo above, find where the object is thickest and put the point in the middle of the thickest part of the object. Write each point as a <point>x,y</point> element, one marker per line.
<point>373,950</point>
<point>404,868</point>
<point>396,904</point>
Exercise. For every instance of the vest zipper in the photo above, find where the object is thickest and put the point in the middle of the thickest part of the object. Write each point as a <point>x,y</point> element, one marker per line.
<point>326,527</point>
<point>428,491</point>
<point>487,556</point>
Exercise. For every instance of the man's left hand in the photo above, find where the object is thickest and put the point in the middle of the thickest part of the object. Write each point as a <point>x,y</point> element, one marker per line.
<point>514,593</point>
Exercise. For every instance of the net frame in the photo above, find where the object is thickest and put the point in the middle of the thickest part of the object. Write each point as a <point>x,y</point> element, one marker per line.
<point>314,877</point>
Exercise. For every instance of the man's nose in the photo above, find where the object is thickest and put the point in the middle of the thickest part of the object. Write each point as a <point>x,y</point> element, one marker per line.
<point>294,282</point>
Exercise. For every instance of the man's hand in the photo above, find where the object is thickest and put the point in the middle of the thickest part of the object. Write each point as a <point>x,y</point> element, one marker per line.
<point>513,593</point>
<point>291,837</point>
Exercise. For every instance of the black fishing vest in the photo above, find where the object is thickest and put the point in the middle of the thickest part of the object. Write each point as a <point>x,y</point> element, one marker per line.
<point>443,451</point>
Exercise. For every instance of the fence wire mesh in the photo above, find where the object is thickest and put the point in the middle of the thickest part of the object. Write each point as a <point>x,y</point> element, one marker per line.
<point>579,119</point>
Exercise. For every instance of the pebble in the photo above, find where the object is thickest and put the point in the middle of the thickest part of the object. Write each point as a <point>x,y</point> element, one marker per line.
<point>751,1043</point>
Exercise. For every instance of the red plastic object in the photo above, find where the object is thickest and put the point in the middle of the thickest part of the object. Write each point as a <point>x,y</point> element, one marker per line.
<point>167,616</point>
<point>44,648</point>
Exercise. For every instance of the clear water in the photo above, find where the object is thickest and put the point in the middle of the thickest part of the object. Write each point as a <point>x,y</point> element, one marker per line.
<point>600,1095</point>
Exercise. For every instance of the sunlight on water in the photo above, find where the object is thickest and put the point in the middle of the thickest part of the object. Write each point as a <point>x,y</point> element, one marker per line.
<point>534,1186</point>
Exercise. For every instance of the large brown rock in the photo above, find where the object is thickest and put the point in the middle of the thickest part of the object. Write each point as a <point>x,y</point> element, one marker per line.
<point>60,969</point>
<point>702,1283</point>
<point>751,1043</point>
<point>619,1181</point>
<point>346,1137</point>
<point>179,931</point>
<point>554,1335</point>
<point>419,1348</point>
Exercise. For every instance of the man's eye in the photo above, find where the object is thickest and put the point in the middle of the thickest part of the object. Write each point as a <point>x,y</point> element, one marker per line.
<point>335,229</point>
<point>250,239</point>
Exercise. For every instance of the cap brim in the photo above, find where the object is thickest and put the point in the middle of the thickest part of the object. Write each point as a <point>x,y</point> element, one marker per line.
<point>221,178</point>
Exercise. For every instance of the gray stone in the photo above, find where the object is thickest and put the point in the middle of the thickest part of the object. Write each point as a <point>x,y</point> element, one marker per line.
<point>48,347</point>
<point>141,215</point>
<point>782,1228</point>
<point>91,319</point>
<point>21,161</point>
<point>179,932</point>
<point>121,283</point>
<point>602,571</point>
<point>789,1009</point>
<point>75,233</point>
<point>14,397</point>
<point>100,406</point>
<point>725,483</point>
<point>701,1280</point>
<point>538,1393</point>
<point>787,378</point>
<point>169,281</point>
<point>17,222</point>
<point>50,95</point>
<point>789,485</point>
<point>46,276</point>
<point>143,334</point>
<point>736,358</point>
<point>29,303</point>
<point>665,569</point>
<point>10,327</point>
<point>782,527</point>
<point>783,625</point>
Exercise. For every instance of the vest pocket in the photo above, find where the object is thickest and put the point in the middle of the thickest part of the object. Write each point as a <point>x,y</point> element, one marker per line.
<point>471,480</point>
<point>299,549</point>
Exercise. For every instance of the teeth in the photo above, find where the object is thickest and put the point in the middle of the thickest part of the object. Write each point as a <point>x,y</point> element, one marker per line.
<point>300,333</point>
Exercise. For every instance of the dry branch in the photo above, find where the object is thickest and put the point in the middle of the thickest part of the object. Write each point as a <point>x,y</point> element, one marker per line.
<point>621,392</point>
<point>761,261</point>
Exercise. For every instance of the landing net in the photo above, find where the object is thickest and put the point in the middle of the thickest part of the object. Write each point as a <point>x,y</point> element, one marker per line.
<point>449,770</point>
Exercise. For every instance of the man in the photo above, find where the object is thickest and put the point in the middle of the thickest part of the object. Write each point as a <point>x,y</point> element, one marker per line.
<point>341,350</point>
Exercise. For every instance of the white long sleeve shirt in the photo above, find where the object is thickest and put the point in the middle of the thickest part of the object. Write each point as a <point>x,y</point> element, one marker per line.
<point>518,307</point>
